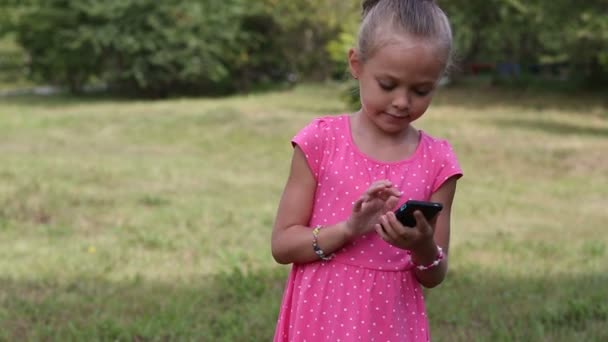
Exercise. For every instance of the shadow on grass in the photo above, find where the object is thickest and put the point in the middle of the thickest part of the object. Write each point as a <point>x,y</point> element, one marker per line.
<point>476,306</point>
<point>467,96</point>
<point>68,100</point>
<point>228,307</point>
<point>100,97</point>
<point>552,127</point>
<point>63,100</point>
<point>471,305</point>
<point>483,97</point>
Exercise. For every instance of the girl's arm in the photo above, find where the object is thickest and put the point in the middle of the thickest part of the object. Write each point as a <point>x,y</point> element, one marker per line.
<point>291,239</point>
<point>426,254</point>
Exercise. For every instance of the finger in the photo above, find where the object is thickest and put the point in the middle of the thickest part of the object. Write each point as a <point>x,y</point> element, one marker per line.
<point>380,230</point>
<point>393,191</point>
<point>357,206</point>
<point>400,230</point>
<point>365,197</point>
<point>380,184</point>
<point>391,203</point>
<point>388,228</point>
<point>376,187</point>
<point>383,194</point>
<point>422,224</point>
<point>376,192</point>
<point>383,182</point>
<point>387,193</point>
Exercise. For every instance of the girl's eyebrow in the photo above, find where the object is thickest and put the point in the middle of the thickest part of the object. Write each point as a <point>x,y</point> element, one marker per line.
<point>423,83</point>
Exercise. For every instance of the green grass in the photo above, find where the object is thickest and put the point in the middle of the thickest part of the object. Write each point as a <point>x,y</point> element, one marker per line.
<point>150,221</point>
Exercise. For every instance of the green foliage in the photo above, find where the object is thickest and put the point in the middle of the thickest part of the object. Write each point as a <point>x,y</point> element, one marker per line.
<point>156,48</point>
<point>310,30</point>
<point>176,46</point>
<point>142,46</point>
<point>11,62</point>
<point>350,94</point>
<point>71,59</point>
<point>532,32</point>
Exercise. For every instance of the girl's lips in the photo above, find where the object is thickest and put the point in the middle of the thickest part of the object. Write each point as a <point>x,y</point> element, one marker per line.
<point>397,116</point>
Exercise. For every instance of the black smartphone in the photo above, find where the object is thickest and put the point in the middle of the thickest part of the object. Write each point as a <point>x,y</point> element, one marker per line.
<point>405,214</point>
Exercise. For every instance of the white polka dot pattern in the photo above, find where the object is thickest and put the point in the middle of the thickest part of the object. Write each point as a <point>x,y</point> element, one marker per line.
<point>368,291</point>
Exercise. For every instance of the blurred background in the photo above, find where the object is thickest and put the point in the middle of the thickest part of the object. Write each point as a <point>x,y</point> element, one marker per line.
<point>213,47</point>
<point>144,146</point>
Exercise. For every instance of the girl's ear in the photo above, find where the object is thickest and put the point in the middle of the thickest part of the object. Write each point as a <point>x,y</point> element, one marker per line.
<point>354,63</point>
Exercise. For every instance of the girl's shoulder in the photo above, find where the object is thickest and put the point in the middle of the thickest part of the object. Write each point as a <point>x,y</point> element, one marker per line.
<point>316,138</point>
<point>324,128</point>
<point>435,145</point>
<point>328,122</point>
<point>439,156</point>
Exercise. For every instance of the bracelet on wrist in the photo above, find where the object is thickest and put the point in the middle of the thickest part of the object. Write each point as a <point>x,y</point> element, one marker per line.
<point>315,245</point>
<point>435,263</point>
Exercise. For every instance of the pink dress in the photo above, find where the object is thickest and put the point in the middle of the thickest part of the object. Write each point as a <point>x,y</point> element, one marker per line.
<point>368,292</point>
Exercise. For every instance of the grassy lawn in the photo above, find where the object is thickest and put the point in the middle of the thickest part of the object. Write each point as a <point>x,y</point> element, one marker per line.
<point>150,221</point>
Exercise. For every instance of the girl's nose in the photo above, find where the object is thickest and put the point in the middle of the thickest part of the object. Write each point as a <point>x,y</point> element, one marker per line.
<point>401,101</point>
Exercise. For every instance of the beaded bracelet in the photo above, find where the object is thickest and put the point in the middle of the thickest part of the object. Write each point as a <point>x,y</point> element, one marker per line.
<point>315,246</point>
<point>438,259</point>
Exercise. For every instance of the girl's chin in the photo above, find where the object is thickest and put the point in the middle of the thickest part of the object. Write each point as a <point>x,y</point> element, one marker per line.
<point>395,120</point>
<point>391,123</point>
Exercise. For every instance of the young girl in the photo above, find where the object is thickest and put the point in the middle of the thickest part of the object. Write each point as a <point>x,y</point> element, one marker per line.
<point>357,272</point>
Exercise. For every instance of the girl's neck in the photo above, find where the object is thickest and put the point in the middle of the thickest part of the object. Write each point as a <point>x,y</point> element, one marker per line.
<point>380,144</point>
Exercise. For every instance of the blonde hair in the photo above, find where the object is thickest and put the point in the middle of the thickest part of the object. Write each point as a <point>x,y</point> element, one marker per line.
<point>417,18</point>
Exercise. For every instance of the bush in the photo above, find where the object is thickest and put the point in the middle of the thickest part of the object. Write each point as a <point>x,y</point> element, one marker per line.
<point>147,47</point>
<point>158,48</point>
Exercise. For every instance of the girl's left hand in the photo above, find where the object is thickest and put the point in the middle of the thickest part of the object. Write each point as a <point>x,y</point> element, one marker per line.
<point>398,235</point>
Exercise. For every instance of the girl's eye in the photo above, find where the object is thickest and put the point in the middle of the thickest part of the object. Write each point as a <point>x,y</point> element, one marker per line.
<point>386,86</point>
<point>422,92</point>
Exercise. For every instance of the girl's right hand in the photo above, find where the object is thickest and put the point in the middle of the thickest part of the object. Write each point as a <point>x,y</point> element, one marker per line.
<point>380,198</point>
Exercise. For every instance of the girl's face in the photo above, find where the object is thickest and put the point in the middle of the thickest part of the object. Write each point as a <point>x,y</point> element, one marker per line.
<point>398,81</point>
